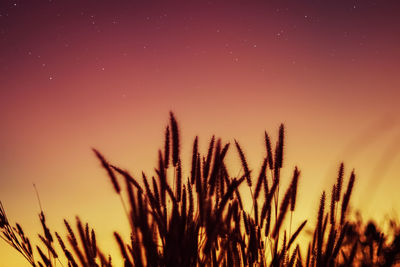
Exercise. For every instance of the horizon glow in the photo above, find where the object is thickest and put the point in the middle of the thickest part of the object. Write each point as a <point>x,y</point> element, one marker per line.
<point>80,75</point>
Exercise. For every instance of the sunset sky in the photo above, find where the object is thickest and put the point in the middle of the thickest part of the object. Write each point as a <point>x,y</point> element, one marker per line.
<point>76,75</point>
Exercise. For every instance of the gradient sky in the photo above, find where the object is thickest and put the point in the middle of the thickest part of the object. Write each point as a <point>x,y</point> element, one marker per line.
<point>81,74</point>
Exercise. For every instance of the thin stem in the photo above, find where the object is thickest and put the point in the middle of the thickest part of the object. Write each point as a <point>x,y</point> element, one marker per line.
<point>125,210</point>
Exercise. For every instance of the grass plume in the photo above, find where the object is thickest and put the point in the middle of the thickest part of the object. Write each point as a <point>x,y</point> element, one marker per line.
<point>201,219</point>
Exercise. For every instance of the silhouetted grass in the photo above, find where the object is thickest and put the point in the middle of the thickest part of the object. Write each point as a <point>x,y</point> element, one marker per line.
<point>201,221</point>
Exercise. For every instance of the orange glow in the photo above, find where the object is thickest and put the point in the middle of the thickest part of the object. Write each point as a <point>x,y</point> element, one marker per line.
<point>81,75</point>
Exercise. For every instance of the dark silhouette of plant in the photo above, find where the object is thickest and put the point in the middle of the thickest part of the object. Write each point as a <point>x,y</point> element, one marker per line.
<point>200,220</point>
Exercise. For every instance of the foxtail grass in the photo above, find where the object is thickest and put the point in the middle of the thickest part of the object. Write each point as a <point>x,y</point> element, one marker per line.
<point>200,219</point>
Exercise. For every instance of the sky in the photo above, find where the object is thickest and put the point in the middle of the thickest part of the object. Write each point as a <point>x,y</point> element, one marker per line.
<point>76,75</point>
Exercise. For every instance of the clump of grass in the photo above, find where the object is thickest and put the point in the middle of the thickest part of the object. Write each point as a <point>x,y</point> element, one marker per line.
<point>15,237</point>
<point>201,221</point>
